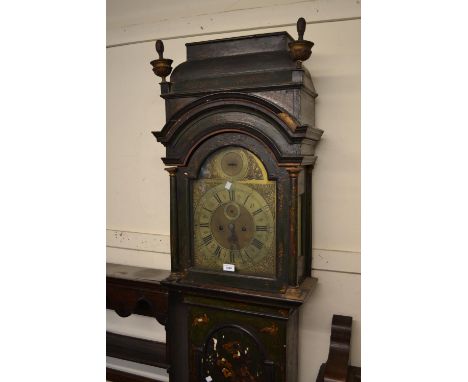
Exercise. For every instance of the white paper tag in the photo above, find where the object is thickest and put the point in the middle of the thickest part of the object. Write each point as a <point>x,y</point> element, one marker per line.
<point>228,185</point>
<point>229,267</point>
<point>208,379</point>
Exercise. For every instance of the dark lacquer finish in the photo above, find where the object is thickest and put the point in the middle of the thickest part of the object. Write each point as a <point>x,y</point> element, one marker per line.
<point>234,332</point>
<point>239,95</point>
<point>337,368</point>
<point>245,92</point>
<point>136,290</point>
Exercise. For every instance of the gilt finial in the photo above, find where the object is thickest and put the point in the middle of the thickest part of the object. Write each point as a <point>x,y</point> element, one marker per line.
<point>161,66</point>
<point>159,48</point>
<point>301,27</point>
<point>300,50</point>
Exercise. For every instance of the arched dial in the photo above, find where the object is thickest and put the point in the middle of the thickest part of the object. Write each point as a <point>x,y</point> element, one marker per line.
<point>233,223</point>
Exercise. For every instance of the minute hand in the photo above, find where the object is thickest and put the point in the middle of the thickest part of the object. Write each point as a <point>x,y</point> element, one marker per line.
<point>233,239</point>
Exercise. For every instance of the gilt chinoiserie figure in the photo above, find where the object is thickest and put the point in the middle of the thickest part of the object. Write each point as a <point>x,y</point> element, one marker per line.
<point>240,141</point>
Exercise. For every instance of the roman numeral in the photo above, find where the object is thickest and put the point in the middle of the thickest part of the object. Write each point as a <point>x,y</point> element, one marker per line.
<point>257,211</point>
<point>207,239</point>
<point>261,228</point>
<point>217,251</point>
<point>232,195</point>
<point>218,199</point>
<point>203,225</point>
<point>232,256</point>
<point>257,243</point>
<point>247,198</point>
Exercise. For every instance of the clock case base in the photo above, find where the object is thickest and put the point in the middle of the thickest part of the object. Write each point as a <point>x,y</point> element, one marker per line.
<point>256,333</point>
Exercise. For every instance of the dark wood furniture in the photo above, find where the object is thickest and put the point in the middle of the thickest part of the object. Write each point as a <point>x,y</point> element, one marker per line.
<point>244,93</point>
<point>144,291</point>
<point>337,368</point>
<point>223,322</point>
<point>137,350</point>
<point>240,142</point>
<point>136,290</point>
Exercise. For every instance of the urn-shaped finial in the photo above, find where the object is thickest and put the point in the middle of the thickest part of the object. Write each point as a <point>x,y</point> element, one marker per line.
<point>300,50</point>
<point>161,66</point>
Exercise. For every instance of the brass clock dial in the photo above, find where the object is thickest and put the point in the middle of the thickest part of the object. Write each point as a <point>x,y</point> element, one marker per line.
<point>234,216</point>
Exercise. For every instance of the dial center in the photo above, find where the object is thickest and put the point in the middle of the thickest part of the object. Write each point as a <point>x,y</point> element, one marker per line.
<point>232,226</point>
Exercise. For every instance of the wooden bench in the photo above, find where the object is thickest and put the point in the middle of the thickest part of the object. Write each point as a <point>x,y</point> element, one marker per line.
<point>136,290</point>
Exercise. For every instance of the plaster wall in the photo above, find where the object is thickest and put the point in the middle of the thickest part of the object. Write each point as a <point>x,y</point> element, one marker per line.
<point>138,186</point>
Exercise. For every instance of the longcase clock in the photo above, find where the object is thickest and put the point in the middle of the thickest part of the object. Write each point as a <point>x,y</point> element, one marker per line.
<point>240,141</point>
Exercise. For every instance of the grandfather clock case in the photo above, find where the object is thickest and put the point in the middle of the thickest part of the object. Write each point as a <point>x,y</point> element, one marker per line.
<point>240,141</point>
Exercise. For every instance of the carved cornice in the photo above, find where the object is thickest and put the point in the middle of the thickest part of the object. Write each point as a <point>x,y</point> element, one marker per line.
<point>293,128</point>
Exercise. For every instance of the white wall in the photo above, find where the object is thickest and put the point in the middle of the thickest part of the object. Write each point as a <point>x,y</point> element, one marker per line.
<point>138,186</point>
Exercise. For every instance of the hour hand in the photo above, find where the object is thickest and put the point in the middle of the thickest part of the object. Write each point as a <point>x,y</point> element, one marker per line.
<point>232,236</point>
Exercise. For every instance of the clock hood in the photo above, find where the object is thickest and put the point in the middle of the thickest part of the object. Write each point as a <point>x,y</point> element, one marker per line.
<point>251,84</point>
<point>241,63</point>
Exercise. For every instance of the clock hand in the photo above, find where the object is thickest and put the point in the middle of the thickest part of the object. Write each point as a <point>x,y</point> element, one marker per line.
<point>233,239</point>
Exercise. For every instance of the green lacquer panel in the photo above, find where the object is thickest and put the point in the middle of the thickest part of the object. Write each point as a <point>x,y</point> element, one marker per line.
<point>235,347</point>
